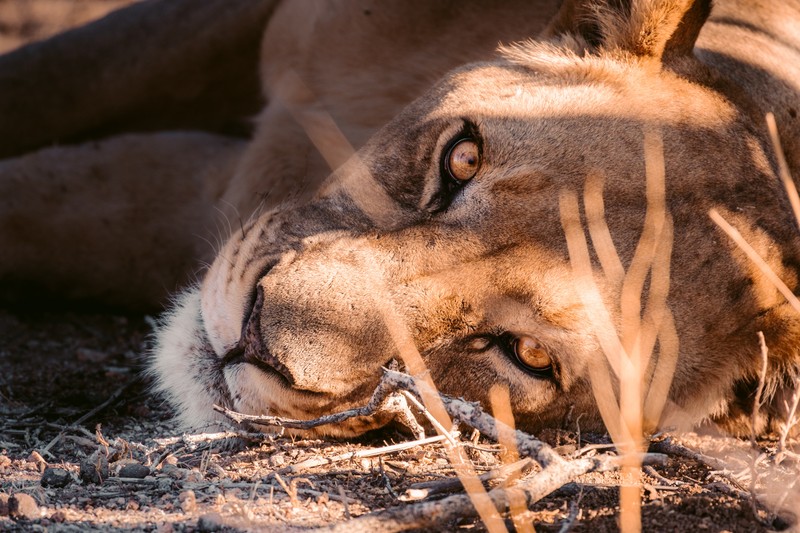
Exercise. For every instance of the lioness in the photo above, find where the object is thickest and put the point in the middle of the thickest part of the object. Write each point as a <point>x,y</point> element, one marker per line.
<point>452,219</point>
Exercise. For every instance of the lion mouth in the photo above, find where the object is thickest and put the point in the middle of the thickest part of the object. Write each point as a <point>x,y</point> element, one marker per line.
<point>252,350</point>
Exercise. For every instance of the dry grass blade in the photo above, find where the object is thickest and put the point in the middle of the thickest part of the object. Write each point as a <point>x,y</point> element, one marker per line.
<point>501,409</point>
<point>762,265</point>
<point>629,351</point>
<point>432,401</point>
<point>317,123</point>
<point>791,416</point>
<point>598,229</point>
<point>758,401</point>
<point>783,167</point>
<point>759,398</point>
<point>593,303</point>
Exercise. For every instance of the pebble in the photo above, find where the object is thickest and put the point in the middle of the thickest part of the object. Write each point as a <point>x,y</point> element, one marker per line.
<point>188,501</point>
<point>174,472</point>
<point>36,457</point>
<point>210,522</point>
<point>277,460</point>
<point>22,505</point>
<point>134,470</point>
<point>3,504</point>
<point>218,471</point>
<point>55,477</point>
<point>94,469</point>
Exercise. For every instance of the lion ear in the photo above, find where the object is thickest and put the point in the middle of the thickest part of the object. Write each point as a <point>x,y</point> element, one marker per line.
<point>662,29</point>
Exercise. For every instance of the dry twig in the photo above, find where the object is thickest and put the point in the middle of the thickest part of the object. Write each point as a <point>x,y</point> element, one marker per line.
<point>431,514</point>
<point>418,491</point>
<point>197,438</point>
<point>384,400</point>
<point>574,514</point>
<point>360,454</point>
<point>467,412</point>
<point>111,399</point>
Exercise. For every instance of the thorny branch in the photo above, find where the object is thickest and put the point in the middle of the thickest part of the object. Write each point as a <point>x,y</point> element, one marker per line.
<point>385,400</point>
<point>466,412</point>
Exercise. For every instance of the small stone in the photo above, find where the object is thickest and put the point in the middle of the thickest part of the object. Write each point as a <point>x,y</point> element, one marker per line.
<point>36,457</point>
<point>174,472</point>
<point>4,461</point>
<point>166,527</point>
<point>22,505</point>
<point>94,469</point>
<point>188,501</point>
<point>55,478</point>
<point>217,471</point>
<point>277,460</point>
<point>135,471</point>
<point>58,517</point>
<point>3,504</point>
<point>210,522</point>
<point>194,476</point>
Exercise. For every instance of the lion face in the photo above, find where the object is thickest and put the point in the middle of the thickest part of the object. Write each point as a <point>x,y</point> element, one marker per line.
<point>449,224</point>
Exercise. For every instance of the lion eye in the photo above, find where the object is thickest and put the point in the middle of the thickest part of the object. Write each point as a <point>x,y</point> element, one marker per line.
<point>463,160</point>
<point>530,354</point>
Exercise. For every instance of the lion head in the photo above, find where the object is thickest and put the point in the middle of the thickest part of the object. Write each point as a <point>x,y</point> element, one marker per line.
<point>451,225</point>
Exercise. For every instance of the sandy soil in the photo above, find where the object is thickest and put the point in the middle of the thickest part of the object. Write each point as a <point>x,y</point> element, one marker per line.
<point>81,435</point>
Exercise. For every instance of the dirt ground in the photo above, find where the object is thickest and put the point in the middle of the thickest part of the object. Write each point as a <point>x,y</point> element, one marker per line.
<point>56,368</point>
<point>95,451</point>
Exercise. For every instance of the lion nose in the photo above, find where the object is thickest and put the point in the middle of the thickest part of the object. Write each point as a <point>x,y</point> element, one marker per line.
<point>318,324</point>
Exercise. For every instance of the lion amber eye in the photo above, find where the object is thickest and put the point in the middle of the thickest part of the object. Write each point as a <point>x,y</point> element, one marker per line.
<point>530,354</point>
<point>463,160</point>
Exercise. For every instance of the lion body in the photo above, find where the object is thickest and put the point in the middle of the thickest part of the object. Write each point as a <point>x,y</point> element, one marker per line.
<point>301,307</point>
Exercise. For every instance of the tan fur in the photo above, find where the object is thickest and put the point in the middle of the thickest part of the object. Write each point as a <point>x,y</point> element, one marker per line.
<point>290,317</point>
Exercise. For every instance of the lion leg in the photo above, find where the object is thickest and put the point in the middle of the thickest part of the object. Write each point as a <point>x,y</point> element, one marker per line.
<point>123,221</point>
<point>153,66</point>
